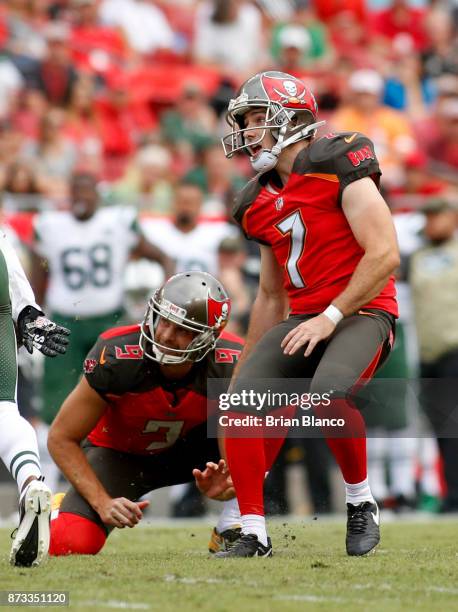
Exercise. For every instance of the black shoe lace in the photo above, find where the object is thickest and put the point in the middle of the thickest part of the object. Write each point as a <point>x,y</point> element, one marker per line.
<point>13,533</point>
<point>232,537</point>
<point>246,539</point>
<point>358,522</point>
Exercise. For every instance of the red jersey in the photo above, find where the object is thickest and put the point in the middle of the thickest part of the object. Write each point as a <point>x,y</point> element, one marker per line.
<point>146,413</point>
<point>304,224</point>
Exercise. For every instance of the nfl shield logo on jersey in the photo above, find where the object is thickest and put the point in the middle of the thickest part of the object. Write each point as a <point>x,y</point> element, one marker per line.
<point>279,203</point>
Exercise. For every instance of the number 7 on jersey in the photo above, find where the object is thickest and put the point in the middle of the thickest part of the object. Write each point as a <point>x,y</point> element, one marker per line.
<point>295,227</point>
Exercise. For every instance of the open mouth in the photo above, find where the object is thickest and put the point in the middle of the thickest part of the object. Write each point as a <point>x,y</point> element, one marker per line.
<point>255,150</point>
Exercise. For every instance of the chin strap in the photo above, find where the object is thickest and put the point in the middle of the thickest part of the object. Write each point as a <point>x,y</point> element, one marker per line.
<point>267,160</point>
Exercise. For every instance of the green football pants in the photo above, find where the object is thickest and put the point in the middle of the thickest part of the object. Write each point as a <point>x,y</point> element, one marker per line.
<point>61,375</point>
<point>8,357</point>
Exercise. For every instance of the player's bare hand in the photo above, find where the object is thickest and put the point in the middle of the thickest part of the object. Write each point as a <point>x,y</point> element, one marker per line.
<point>308,333</point>
<point>215,481</point>
<point>122,512</point>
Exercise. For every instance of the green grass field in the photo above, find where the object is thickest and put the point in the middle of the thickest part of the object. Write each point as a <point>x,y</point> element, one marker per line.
<point>153,568</point>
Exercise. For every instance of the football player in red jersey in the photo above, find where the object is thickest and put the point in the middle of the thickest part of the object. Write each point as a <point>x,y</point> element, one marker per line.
<point>326,305</point>
<point>140,412</point>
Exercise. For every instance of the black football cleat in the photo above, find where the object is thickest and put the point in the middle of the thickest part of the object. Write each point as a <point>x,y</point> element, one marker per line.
<point>363,532</point>
<point>31,538</point>
<point>224,540</point>
<point>247,545</point>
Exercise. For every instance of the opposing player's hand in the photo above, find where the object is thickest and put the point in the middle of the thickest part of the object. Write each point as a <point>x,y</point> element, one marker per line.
<point>215,481</point>
<point>308,333</point>
<point>122,512</point>
<point>37,331</point>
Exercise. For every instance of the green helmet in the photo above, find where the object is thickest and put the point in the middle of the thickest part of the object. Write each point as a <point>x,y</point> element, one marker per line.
<point>193,300</point>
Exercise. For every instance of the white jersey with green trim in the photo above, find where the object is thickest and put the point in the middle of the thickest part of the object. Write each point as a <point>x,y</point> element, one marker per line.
<point>86,259</point>
<point>194,250</point>
<point>21,294</point>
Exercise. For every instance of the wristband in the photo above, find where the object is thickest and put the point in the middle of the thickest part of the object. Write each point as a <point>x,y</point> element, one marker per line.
<point>333,314</point>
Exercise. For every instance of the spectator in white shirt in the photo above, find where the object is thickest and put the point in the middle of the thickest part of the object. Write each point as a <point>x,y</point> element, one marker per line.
<point>228,33</point>
<point>144,25</point>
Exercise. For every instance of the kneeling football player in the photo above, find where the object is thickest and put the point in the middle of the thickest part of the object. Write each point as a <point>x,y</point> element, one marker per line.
<point>137,420</point>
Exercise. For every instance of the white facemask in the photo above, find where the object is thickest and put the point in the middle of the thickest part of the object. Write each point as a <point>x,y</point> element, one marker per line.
<point>267,160</point>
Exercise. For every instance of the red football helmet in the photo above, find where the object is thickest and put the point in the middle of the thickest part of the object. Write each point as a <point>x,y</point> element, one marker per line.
<point>291,115</point>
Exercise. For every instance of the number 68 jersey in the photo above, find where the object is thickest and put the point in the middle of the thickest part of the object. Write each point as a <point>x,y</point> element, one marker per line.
<point>86,259</point>
<point>304,224</point>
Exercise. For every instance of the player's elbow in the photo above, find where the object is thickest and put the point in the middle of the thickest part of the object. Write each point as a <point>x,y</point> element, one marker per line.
<point>392,260</point>
<point>53,441</point>
<point>57,441</point>
<point>384,257</point>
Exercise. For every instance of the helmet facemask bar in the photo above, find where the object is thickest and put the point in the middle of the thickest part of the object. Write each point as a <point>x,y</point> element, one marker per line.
<point>197,349</point>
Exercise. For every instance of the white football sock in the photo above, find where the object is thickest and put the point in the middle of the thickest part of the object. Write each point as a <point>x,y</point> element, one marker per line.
<point>401,454</point>
<point>255,523</point>
<point>49,469</point>
<point>18,444</point>
<point>230,516</point>
<point>358,492</point>
<point>376,451</point>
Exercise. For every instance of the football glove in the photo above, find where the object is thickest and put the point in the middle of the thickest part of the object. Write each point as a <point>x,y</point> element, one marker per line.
<point>37,331</point>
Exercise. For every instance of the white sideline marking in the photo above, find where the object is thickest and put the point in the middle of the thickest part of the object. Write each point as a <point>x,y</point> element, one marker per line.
<point>190,580</point>
<point>114,603</point>
<point>310,598</point>
<point>359,587</point>
<point>439,589</point>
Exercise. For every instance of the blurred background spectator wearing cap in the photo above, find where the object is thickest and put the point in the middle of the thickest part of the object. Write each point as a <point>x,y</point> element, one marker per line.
<point>407,88</point>
<point>302,41</point>
<point>54,73</point>
<point>292,49</point>
<point>398,20</point>
<point>363,111</point>
<point>433,276</point>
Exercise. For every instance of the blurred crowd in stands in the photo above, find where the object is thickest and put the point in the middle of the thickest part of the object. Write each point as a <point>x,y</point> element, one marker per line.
<point>133,93</point>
